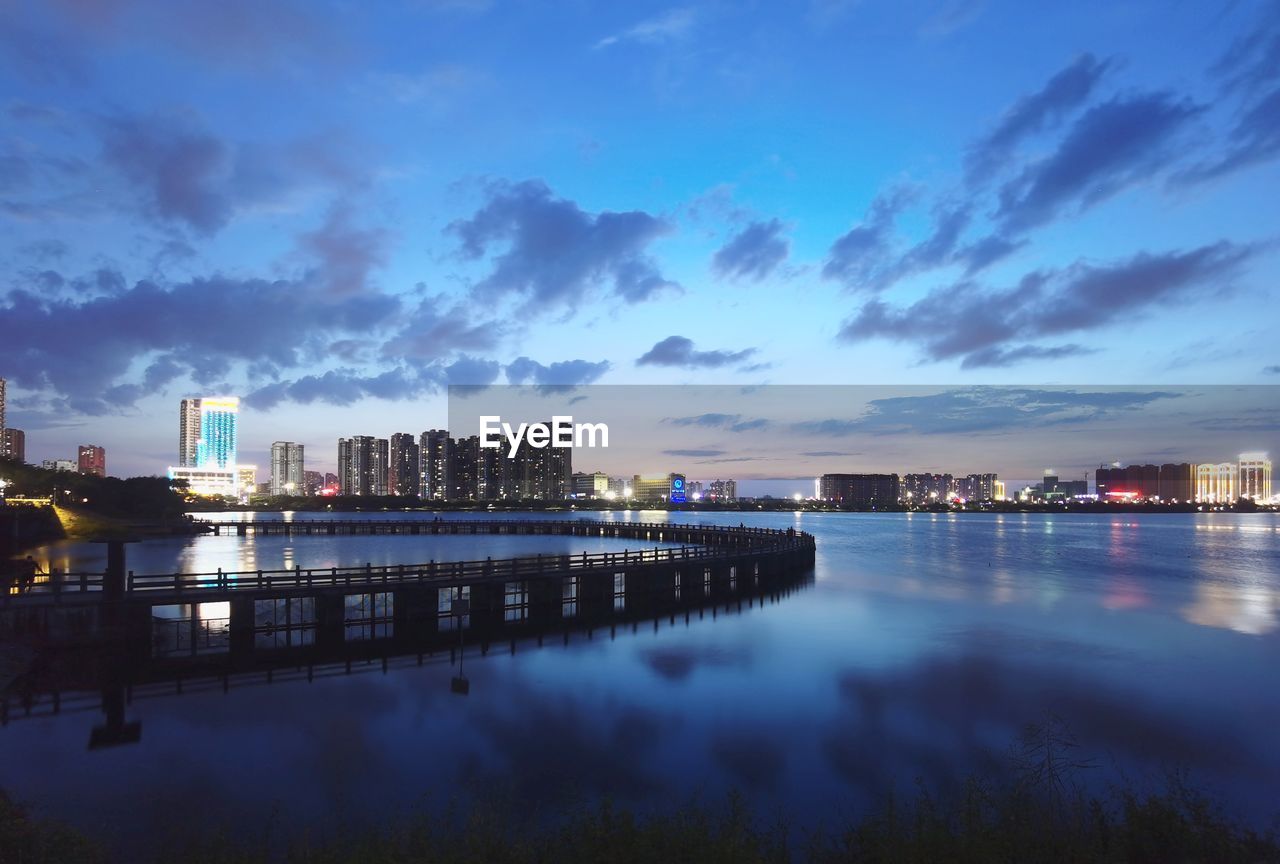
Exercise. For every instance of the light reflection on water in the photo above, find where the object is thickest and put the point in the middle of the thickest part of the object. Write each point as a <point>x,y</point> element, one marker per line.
<point>923,646</point>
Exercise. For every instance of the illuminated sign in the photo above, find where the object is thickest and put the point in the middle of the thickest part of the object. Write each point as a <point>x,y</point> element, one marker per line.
<point>677,489</point>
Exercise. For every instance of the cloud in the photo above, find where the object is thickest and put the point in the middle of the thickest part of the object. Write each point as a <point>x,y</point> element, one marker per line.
<point>978,325</point>
<point>679,351</point>
<point>984,409</point>
<point>435,328</point>
<point>857,257</point>
<point>347,254</point>
<point>995,356</point>
<point>694,454</point>
<point>1113,145</point>
<point>1271,370</point>
<point>184,174</point>
<point>565,373</point>
<point>754,252</point>
<point>1254,139</point>
<point>713,420</point>
<point>981,254</point>
<point>552,253</point>
<point>1037,112</point>
<point>205,325</point>
<point>670,26</point>
<point>345,386</point>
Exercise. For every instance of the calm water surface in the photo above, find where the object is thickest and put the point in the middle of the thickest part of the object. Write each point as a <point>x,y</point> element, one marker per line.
<point>920,649</point>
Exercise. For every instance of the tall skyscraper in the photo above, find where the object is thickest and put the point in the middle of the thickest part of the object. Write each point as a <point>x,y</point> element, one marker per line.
<point>404,468</point>
<point>1255,476</point>
<point>207,432</point>
<point>362,465</point>
<point>435,451</point>
<point>287,469</point>
<point>2,397</point>
<point>862,491</point>
<point>92,459</point>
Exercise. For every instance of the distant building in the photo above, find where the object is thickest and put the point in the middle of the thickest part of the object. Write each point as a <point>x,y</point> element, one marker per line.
<point>1255,477</point>
<point>977,487</point>
<point>695,489</point>
<point>723,491</point>
<point>246,480</point>
<point>207,432</point>
<point>13,444</point>
<point>59,465</point>
<point>92,459</point>
<point>362,465</point>
<point>1218,483</point>
<point>217,482</point>
<point>330,480</point>
<point>1177,481</point>
<point>288,468</point>
<point>861,491</point>
<point>651,487</point>
<point>593,485</point>
<point>435,449</point>
<point>404,465</point>
<point>312,482</point>
<point>923,488</point>
<point>2,407</point>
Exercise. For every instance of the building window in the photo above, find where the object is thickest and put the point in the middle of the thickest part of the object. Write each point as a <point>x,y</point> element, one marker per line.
<point>368,616</point>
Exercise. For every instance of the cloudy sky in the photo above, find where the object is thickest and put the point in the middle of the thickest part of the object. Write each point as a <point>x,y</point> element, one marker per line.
<point>335,209</point>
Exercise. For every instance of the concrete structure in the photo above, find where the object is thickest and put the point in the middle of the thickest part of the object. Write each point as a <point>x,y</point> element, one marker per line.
<point>288,468</point>
<point>860,491</point>
<point>1255,477</point>
<point>1217,483</point>
<point>13,444</point>
<point>215,482</point>
<point>923,488</point>
<point>92,459</point>
<point>404,465</point>
<point>723,491</point>
<point>362,465</point>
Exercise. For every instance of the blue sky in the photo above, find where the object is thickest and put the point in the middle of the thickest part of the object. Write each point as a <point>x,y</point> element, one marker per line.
<point>334,210</point>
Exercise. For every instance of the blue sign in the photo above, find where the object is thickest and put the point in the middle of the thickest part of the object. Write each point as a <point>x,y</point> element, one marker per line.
<point>677,489</point>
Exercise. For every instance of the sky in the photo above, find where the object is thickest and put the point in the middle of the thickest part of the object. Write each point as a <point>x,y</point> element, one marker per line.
<point>335,210</point>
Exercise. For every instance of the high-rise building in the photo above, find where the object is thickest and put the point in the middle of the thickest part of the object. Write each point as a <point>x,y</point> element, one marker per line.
<point>1217,483</point>
<point>362,465</point>
<point>288,468</point>
<point>434,453</point>
<point>92,459</point>
<point>922,488</point>
<point>1255,477</point>
<point>977,487</point>
<point>463,470</point>
<point>330,480</point>
<point>246,480</point>
<point>724,491</point>
<point>404,468</point>
<point>1177,481</point>
<point>2,401</point>
<point>312,482</point>
<point>207,432</point>
<point>863,491</point>
<point>13,444</point>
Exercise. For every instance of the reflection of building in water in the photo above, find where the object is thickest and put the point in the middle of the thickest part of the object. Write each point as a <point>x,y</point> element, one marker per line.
<point>1250,609</point>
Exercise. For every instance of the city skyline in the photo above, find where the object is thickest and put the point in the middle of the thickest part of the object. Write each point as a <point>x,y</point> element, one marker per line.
<point>805,194</point>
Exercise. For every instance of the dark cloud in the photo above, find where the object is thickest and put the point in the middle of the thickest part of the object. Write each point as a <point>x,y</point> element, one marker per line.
<point>1037,112</point>
<point>205,325</point>
<point>551,253</point>
<point>346,254</point>
<point>754,252</point>
<point>679,351</point>
<point>1114,144</point>
<point>981,254</point>
<point>857,257</point>
<point>564,373</point>
<point>971,410</point>
<point>436,328</point>
<point>1254,139</point>
<point>345,386</point>
<point>695,454</point>
<point>1271,370</point>
<point>731,422</point>
<point>185,174</point>
<point>978,325</point>
<point>995,356</point>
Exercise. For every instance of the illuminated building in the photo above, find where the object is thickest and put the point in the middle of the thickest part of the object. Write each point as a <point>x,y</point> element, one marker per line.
<point>977,487</point>
<point>723,490</point>
<point>922,488</point>
<point>362,465</point>
<point>1217,484</point>
<point>207,432</point>
<point>1255,477</point>
<point>58,465</point>
<point>92,459</point>
<point>221,482</point>
<point>13,444</point>
<point>434,449</point>
<point>288,471</point>
<point>2,399</point>
<point>651,487</point>
<point>592,485</point>
<point>404,466</point>
<point>312,482</point>
<point>246,480</point>
<point>998,492</point>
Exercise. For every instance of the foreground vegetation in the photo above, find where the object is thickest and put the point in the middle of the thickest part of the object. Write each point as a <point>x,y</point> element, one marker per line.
<point>1039,816</point>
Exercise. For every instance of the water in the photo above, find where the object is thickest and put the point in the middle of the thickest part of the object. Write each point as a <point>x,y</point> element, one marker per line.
<point>922,646</point>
